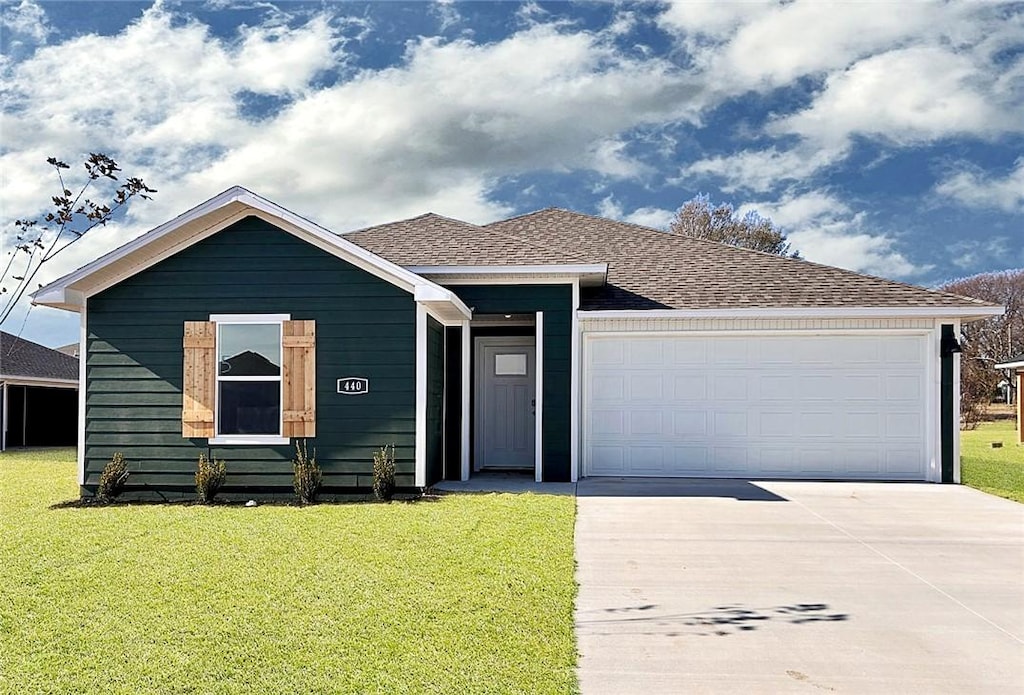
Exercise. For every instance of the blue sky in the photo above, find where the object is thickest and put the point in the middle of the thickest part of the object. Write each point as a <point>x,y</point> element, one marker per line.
<point>887,138</point>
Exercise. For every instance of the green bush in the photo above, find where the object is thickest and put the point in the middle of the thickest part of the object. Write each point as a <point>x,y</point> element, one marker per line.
<point>308,476</point>
<point>384,473</point>
<point>210,477</point>
<point>113,478</point>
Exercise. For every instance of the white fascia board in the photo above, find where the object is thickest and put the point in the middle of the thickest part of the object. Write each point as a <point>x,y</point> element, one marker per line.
<point>1011,365</point>
<point>233,204</point>
<point>428,293</point>
<point>965,313</point>
<point>15,380</point>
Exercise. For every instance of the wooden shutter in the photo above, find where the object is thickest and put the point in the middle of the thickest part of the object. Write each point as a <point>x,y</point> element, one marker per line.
<point>299,348</point>
<point>199,379</point>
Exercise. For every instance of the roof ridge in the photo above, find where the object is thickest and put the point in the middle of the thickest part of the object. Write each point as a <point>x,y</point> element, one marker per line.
<point>406,219</point>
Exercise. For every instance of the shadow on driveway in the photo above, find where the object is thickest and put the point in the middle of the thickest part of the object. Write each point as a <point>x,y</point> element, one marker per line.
<point>742,490</point>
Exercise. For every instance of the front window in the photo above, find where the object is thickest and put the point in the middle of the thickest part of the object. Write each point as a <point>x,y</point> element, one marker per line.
<point>248,378</point>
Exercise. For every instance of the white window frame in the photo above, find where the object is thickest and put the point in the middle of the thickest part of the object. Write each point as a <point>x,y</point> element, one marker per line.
<point>235,319</point>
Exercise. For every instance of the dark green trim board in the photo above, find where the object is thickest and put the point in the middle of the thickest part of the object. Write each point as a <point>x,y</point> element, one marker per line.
<point>435,401</point>
<point>948,426</point>
<point>453,403</point>
<point>556,303</point>
<point>365,327</point>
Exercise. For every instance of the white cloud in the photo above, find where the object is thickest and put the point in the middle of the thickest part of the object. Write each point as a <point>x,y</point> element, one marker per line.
<point>905,96</point>
<point>980,190</point>
<point>433,132</point>
<point>825,230</point>
<point>25,21</point>
<point>763,170</point>
<point>656,218</point>
<point>908,75</point>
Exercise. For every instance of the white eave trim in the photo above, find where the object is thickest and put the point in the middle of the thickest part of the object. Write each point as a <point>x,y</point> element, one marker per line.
<point>1019,364</point>
<point>962,312</point>
<point>14,380</point>
<point>70,291</point>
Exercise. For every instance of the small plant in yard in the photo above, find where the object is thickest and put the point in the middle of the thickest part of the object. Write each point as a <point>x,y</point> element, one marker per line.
<point>113,478</point>
<point>384,473</point>
<point>308,475</point>
<point>210,476</point>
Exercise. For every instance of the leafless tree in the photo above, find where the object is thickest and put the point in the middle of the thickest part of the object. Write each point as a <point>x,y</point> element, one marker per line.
<point>71,216</point>
<point>699,218</point>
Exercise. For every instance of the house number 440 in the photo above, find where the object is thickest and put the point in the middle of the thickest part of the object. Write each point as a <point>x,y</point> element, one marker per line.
<point>353,385</point>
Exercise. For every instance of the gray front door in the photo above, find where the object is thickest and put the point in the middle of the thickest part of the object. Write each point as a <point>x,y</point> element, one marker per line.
<point>506,379</point>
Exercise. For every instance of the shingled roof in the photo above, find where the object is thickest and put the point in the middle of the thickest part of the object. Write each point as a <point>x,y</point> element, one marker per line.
<point>435,240</point>
<point>23,358</point>
<point>647,268</point>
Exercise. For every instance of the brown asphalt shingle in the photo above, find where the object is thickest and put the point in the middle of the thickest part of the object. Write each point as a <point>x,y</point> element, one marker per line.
<point>435,240</point>
<point>647,268</point>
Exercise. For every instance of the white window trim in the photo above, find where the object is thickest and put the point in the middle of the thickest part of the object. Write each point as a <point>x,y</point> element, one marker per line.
<point>250,439</point>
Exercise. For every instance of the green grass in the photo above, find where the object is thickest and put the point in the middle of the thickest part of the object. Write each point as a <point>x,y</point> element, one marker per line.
<point>997,471</point>
<point>469,594</point>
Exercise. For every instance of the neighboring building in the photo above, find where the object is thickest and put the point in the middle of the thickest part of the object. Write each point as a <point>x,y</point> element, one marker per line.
<point>555,342</point>
<point>38,395</point>
<point>70,349</point>
<point>1016,365</point>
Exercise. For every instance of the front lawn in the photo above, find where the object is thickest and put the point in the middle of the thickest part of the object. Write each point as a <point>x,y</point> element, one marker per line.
<point>998,471</point>
<point>467,594</point>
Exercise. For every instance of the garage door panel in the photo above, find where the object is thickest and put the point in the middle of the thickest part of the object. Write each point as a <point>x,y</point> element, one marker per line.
<point>645,387</point>
<point>690,353</point>
<point>690,460</point>
<point>689,423</point>
<point>779,406</point>
<point>689,387</point>
<point>644,423</point>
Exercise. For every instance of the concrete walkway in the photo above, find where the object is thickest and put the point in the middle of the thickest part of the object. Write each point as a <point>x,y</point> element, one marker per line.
<point>721,587</point>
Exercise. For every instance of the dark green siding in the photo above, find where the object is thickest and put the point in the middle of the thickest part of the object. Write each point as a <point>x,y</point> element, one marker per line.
<point>949,427</point>
<point>365,327</point>
<point>453,403</point>
<point>435,401</point>
<point>556,303</point>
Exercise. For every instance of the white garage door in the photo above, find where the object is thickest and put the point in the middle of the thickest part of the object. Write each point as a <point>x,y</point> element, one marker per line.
<point>825,406</point>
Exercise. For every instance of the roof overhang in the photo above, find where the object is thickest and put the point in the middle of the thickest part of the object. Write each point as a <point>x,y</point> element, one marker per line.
<point>1017,363</point>
<point>15,380</point>
<point>205,220</point>
<point>588,275</point>
<point>960,313</point>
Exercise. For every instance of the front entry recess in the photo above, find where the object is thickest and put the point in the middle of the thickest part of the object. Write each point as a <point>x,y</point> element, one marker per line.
<point>505,429</point>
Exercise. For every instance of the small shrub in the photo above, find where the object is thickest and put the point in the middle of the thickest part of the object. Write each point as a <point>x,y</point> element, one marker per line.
<point>384,473</point>
<point>308,475</point>
<point>113,478</point>
<point>210,476</point>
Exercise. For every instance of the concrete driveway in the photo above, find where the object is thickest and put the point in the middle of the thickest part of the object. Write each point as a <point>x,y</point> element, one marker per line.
<point>735,586</point>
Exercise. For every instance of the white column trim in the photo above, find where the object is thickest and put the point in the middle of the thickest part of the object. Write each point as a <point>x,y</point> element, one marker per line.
<point>421,397</point>
<point>574,388</point>
<point>83,356</point>
<point>467,384</point>
<point>538,465</point>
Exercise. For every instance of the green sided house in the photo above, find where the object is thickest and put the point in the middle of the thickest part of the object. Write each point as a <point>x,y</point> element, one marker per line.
<point>555,342</point>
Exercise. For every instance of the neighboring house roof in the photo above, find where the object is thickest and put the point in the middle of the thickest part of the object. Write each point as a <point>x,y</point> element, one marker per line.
<point>23,358</point>
<point>1012,363</point>
<point>69,349</point>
